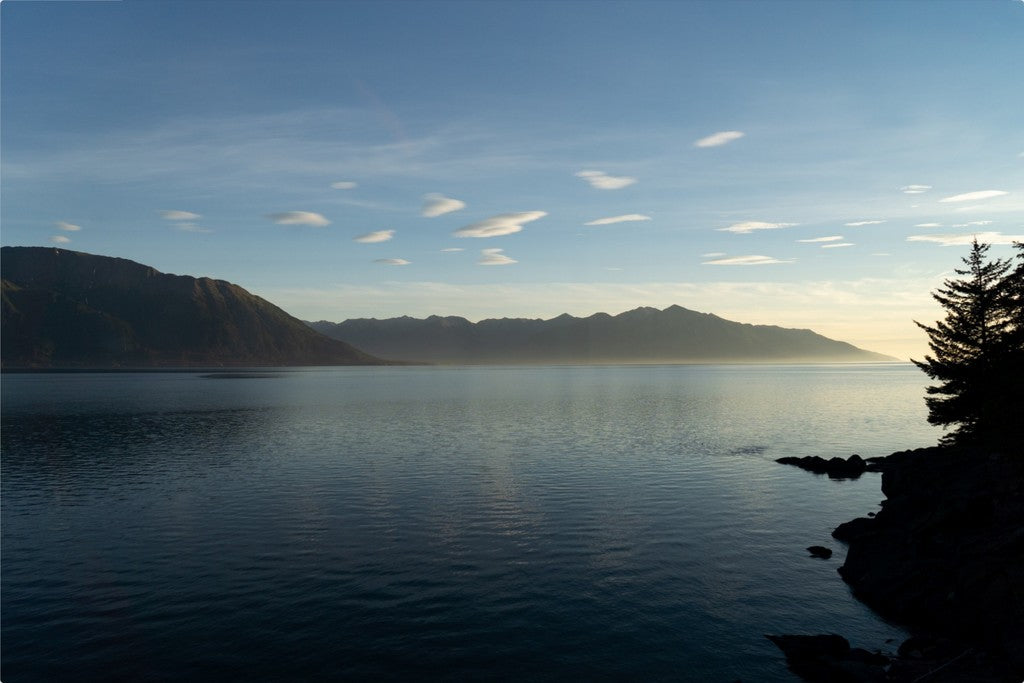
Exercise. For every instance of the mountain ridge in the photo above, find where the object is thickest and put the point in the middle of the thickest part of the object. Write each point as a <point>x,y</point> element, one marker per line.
<point>69,309</point>
<point>640,335</point>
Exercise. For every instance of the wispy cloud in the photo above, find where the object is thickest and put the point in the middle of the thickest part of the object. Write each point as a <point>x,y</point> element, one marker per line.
<point>970,224</point>
<point>603,181</point>
<point>392,261</point>
<point>494,257</point>
<point>375,236</point>
<point>830,238</point>
<point>502,224</point>
<point>344,185</point>
<point>299,218</point>
<point>915,189</point>
<point>191,227</point>
<point>860,223</point>
<point>718,139</point>
<point>838,245</point>
<point>60,239</point>
<point>961,239</point>
<point>68,227</point>
<point>747,227</point>
<point>453,249</point>
<point>626,218</point>
<point>713,254</point>
<point>437,205</point>
<point>752,260</point>
<point>973,196</point>
<point>174,215</point>
<point>928,225</point>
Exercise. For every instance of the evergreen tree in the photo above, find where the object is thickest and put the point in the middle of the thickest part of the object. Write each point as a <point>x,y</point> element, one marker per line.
<point>976,352</point>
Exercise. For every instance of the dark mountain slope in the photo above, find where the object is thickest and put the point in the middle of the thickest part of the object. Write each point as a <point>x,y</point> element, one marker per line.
<point>69,309</point>
<point>643,335</point>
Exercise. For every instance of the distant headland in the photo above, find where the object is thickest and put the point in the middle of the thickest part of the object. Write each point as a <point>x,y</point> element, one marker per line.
<point>642,335</point>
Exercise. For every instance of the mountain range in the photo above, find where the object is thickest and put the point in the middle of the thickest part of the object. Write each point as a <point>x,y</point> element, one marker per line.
<point>67,309</point>
<point>642,335</point>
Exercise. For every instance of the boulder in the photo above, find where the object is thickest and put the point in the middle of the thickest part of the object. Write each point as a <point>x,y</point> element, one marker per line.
<point>835,468</point>
<point>829,658</point>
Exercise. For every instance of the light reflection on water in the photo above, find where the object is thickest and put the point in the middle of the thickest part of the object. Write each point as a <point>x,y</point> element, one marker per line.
<point>599,522</point>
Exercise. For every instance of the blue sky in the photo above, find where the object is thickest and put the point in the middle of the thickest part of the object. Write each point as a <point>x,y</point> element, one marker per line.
<point>806,164</point>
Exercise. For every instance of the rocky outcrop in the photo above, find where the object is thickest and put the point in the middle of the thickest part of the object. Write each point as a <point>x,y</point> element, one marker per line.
<point>830,659</point>
<point>835,468</point>
<point>945,555</point>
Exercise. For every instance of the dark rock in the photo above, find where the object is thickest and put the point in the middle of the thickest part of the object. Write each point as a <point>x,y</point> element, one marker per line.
<point>855,528</point>
<point>945,555</point>
<point>835,468</point>
<point>829,658</point>
<point>820,551</point>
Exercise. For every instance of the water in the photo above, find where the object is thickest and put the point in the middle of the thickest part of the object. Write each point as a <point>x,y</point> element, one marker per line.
<point>450,523</point>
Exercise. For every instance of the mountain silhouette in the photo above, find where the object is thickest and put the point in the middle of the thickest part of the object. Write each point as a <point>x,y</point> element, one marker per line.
<point>642,335</point>
<point>67,309</point>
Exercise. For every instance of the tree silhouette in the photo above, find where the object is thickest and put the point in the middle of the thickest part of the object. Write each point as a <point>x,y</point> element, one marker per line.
<point>977,352</point>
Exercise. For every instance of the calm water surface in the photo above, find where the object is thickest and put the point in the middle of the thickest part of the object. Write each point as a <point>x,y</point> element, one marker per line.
<point>589,522</point>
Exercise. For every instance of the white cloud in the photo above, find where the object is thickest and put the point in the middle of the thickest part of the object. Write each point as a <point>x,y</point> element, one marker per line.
<point>915,189</point>
<point>453,249</point>
<point>192,227</point>
<point>747,227</point>
<point>343,185</point>
<point>713,254</point>
<point>626,218</point>
<point>173,215</point>
<point>973,196</point>
<point>437,205</point>
<point>494,257</point>
<point>971,224</point>
<point>60,239</point>
<point>717,139</point>
<point>860,223</point>
<point>68,227</point>
<point>967,237</point>
<point>375,236</point>
<point>837,245</point>
<point>392,261</point>
<point>502,224</point>
<point>299,218</point>
<point>928,225</point>
<point>745,261</point>
<point>603,181</point>
<point>830,238</point>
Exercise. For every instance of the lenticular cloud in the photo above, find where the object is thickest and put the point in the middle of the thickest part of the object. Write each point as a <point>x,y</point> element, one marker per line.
<point>437,205</point>
<point>603,181</point>
<point>375,236</point>
<point>502,224</point>
<point>718,139</point>
<point>299,218</point>
<point>494,257</point>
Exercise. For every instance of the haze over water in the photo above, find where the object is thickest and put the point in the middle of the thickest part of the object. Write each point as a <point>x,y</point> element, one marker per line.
<point>592,522</point>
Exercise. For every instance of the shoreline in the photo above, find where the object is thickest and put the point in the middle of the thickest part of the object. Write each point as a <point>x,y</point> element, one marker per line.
<point>944,557</point>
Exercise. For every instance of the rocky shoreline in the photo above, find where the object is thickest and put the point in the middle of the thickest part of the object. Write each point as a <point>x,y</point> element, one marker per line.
<point>944,557</point>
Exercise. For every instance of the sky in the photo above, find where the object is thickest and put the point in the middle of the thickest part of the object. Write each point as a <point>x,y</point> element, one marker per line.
<point>817,165</point>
